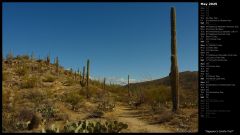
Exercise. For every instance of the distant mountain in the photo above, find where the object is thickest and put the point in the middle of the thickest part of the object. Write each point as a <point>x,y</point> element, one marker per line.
<point>188,80</point>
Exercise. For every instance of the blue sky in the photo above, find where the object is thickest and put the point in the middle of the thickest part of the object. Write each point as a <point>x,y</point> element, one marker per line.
<point>118,38</point>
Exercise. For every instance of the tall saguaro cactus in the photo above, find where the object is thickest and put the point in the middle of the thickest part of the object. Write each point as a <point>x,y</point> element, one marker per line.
<point>128,87</point>
<point>104,83</point>
<point>83,73</point>
<point>174,75</point>
<point>88,71</point>
<point>48,59</point>
<point>57,64</point>
<point>88,74</point>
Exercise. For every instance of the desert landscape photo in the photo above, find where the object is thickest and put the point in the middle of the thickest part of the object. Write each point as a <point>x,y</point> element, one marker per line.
<point>100,67</point>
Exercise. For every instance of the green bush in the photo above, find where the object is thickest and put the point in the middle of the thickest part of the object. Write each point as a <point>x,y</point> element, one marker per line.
<point>73,98</point>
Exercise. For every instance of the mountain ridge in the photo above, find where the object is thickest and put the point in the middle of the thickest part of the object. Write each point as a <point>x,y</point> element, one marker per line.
<point>186,78</point>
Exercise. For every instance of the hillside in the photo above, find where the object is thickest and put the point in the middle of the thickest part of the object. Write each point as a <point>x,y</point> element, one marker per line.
<point>41,96</point>
<point>188,86</point>
<point>188,81</point>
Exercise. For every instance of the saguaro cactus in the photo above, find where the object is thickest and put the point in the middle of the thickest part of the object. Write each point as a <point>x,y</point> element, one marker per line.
<point>83,73</point>
<point>88,74</point>
<point>75,75</point>
<point>80,75</point>
<point>88,71</point>
<point>57,64</point>
<point>48,59</point>
<point>128,87</point>
<point>104,82</point>
<point>174,75</point>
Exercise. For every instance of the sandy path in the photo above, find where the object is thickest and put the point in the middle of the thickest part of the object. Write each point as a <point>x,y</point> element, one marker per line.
<point>128,115</point>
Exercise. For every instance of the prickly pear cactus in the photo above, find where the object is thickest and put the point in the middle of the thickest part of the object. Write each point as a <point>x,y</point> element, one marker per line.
<point>85,126</point>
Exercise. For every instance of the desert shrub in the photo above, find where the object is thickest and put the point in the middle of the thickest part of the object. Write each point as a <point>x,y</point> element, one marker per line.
<point>69,82</point>
<point>36,96</point>
<point>21,71</point>
<point>156,97</point>
<point>106,106</point>
<point>26,119</point>
<point>9,121</point>
<point>49,78</point>
<point>23,119</point>
<point>160,94</point>
<point>94,127</point>
<point>73,99</point>
<point>29,82</point>
<point>47,111</point>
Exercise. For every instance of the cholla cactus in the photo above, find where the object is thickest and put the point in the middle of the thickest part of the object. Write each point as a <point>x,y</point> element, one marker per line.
<point>174,75</point>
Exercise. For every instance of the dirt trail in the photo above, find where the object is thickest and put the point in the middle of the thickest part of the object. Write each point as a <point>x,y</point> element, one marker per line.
<point>128,115</point>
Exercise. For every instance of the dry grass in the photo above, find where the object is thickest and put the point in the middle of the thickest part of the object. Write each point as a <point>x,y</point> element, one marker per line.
<point>29,82</point>
<point>22,71</point>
